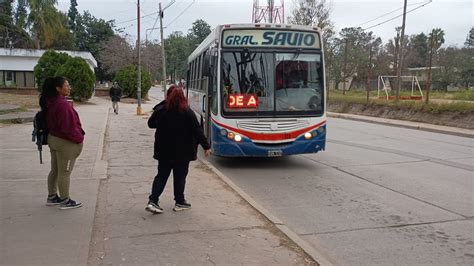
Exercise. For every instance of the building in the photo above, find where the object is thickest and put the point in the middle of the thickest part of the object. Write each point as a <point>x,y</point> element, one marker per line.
<point>16,65</point>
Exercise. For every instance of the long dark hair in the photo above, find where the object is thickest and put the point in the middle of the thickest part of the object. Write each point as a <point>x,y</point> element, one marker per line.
<point>176,100</point>
<point>48,89</point>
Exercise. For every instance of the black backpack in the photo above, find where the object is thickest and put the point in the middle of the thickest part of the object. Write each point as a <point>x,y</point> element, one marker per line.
<point>40,132</point>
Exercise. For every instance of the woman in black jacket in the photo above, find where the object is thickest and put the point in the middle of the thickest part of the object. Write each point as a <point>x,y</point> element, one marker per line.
<point>177,136</point>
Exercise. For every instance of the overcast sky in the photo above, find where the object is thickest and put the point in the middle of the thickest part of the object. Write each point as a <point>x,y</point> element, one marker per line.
<point>455,17</point>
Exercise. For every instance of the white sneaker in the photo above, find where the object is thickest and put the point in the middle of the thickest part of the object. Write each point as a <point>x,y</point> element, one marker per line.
<point>153,208</point>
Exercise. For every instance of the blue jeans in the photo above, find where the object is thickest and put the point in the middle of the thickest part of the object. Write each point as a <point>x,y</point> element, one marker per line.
<point>180,171</point>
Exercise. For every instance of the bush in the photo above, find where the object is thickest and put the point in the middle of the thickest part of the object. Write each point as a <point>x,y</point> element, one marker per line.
<point>80,77</point>
<point>127,80</point>
<point>48,64</point>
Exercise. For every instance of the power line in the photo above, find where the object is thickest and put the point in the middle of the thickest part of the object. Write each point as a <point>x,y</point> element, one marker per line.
<point>157,17</point>
<point>388,20</point>
<point>181,13</point>
<point>147,15</point>
<point>393,11</point>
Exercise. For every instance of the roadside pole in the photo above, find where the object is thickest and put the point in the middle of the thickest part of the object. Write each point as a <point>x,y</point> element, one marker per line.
<point>163,56</point>
<point>139,75</point>
<point>400,54</point>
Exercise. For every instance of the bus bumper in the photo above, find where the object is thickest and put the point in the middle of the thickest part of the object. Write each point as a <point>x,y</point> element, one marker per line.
<point>222,146</point>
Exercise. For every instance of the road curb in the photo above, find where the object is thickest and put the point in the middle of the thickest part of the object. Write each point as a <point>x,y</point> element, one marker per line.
<point>99,169</point>
<point>462,132</point>
<point>17,117</point>
<point>320,257</point>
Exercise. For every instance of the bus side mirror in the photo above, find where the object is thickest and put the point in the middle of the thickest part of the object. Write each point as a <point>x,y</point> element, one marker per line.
<point>206,64</point>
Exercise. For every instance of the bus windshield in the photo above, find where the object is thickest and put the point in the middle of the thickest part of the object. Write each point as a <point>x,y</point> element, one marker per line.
<point>272,84</point>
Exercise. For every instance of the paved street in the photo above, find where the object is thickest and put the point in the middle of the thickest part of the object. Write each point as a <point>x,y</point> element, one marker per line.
<point>378,194</point>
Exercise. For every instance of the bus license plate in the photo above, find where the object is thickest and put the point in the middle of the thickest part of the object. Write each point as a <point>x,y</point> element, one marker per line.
<point>275,153</point>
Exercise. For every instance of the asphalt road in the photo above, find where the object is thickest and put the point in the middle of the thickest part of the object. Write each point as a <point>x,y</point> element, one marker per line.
<point>377,195</point>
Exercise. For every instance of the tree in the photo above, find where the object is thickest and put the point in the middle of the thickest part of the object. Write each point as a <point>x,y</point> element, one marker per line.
<point>450,60</point>
<point>152,60</point>
<point>90,35</point>
<point>314,13</point>
<point>47,65</point>
<point>351,51</point>
<point>176,59</point>
<point>198,32</point>
<point>11,35</point>
<point>72,15</point>
<point>115,53</point>
<point>63,38</point>
<point>127,80</point>
<point>21,13</point>
<point>91,32</point>
<point>470,38</point>
<point>417,54</point>
<point>436,39</point>
<point>44,21</point>
<point>80,77</point>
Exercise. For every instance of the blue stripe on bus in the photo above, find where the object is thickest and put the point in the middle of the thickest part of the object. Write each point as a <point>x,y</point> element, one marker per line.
<point>222,146</point>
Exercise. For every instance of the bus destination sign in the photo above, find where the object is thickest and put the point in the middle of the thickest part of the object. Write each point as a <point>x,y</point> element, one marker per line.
<point>270,38</point>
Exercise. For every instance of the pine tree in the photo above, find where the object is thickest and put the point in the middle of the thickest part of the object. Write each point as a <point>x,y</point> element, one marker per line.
<point>72,14</point>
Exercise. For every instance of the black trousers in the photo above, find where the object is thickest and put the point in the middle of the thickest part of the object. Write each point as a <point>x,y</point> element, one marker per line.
<point>180,171</point>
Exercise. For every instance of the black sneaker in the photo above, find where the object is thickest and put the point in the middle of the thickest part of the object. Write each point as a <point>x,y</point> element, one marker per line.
<point>153,208</point>
<point>53,200</point>
<point>181,206</point>
<point>69,204</point>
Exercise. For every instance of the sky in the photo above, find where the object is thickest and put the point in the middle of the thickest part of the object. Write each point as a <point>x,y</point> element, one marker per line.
<point>455,17</point>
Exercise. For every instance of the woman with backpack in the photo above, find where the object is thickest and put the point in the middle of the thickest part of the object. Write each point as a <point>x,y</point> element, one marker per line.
<point>65,140</point>
<point>176,139</point>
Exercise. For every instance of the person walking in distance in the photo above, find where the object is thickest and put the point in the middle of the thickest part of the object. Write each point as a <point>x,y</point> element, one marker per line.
<point>115,95</point>
<point>65,140</point>
<point>176,139</point>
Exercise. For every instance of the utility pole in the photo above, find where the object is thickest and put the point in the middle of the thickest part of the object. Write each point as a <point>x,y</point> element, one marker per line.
<point>345,69</point>
<point>139,78</point>
<point>400,54</point>
<point>370,73</point>
<point>163,56</point>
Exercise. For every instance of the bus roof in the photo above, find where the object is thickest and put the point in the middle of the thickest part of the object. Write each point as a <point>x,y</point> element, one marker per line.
<point>214,36</point>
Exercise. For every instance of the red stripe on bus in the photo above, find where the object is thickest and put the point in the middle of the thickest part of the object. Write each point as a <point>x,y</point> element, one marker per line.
<point>270,136</point>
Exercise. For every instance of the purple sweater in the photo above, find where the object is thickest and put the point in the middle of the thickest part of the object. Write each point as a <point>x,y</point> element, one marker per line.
<point>63,121</point>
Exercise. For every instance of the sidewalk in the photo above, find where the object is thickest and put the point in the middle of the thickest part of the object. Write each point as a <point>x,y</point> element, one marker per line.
<point>113,178</point>
<point>221,228</point>
<point>32,233</point>
<point>12,113</point>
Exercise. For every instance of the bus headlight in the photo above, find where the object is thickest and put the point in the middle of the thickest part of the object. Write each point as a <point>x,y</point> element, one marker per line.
<point>308,135</point>
<point>237,137</point>
<point>223,132</point>
<point>321,130</point>
<point>233,136</point>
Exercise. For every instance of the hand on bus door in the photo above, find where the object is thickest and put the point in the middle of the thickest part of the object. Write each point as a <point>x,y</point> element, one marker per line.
<point>207,152</point>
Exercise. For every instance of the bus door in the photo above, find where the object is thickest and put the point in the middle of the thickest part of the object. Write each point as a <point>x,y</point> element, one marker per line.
<point>207,97</point>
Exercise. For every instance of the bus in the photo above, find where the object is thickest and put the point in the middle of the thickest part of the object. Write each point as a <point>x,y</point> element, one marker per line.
<point>259,90</point>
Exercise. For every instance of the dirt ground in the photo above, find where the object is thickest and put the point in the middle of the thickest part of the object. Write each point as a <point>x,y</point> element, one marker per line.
<point>451,119</point>
<point>24,101</point>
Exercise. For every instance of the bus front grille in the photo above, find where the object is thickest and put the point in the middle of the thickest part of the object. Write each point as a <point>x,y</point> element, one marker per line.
<point>272,126</point>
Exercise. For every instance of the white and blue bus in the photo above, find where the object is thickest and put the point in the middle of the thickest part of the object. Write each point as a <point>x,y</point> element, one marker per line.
<point>259,90</point>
